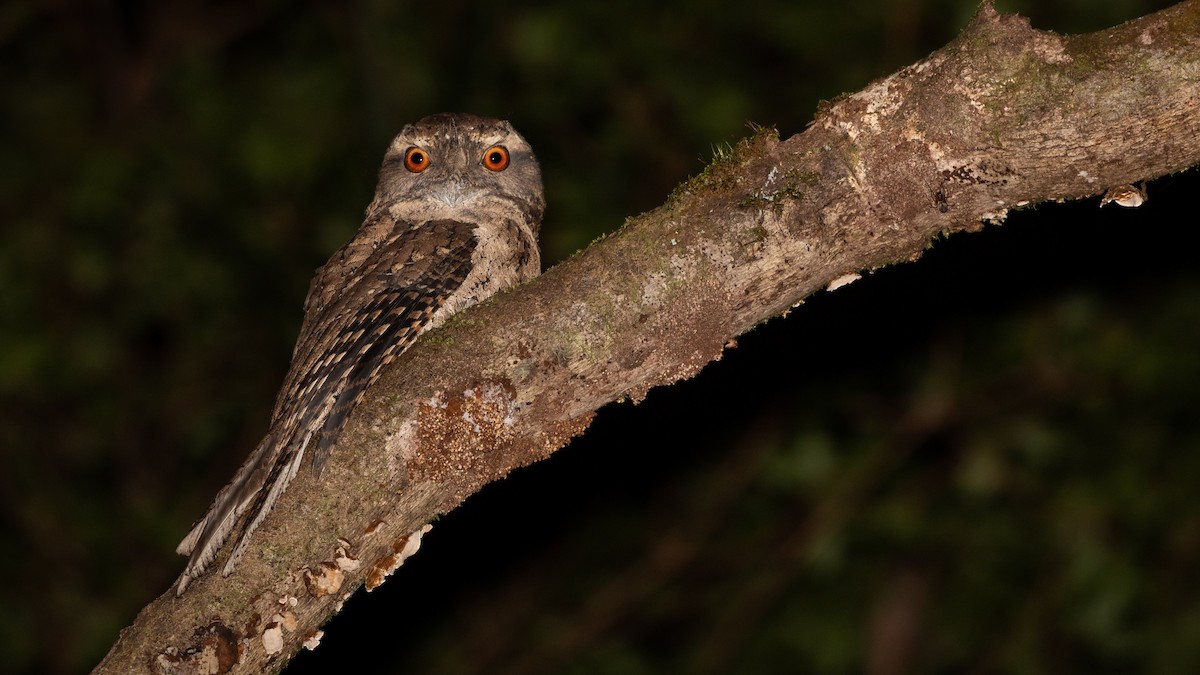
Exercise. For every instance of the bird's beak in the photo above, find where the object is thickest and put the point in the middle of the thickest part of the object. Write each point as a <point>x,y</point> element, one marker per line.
<point>455,191</point>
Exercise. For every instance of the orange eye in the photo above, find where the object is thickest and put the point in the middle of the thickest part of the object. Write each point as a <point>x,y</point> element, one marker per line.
<point>416,160</point>
<point>496,158</point>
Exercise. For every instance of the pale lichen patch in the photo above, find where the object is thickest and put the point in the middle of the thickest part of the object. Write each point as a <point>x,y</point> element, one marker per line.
<point>400,448</point>
<point>882,105</point>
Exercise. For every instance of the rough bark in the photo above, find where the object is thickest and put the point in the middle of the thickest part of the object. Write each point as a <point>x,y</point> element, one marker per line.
<point>1003,117</point>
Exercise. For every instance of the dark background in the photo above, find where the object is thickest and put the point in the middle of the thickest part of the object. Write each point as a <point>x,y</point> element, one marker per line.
<point>986,461</point>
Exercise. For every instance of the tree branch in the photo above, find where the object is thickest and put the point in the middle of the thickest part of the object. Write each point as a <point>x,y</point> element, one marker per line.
<point>1002,117</point>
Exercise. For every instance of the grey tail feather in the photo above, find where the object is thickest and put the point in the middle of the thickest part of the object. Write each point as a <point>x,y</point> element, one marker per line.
<point>206,537</point>
<point>265,503</point>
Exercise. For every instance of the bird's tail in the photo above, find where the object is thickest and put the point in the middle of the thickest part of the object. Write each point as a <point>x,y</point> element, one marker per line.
<point>268,466</point>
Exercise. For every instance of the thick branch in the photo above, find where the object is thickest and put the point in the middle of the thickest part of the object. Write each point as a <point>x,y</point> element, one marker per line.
<point>1002,117</point>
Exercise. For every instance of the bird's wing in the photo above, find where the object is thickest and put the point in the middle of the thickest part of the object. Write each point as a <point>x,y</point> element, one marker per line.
<point>408,299</point>
<point>356,321</point>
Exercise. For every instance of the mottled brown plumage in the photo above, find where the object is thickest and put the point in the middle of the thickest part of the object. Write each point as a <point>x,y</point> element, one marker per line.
<point>454,220</point>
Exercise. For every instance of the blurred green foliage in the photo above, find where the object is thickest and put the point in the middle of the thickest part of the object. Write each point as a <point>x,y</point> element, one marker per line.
<point>982,461</point>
